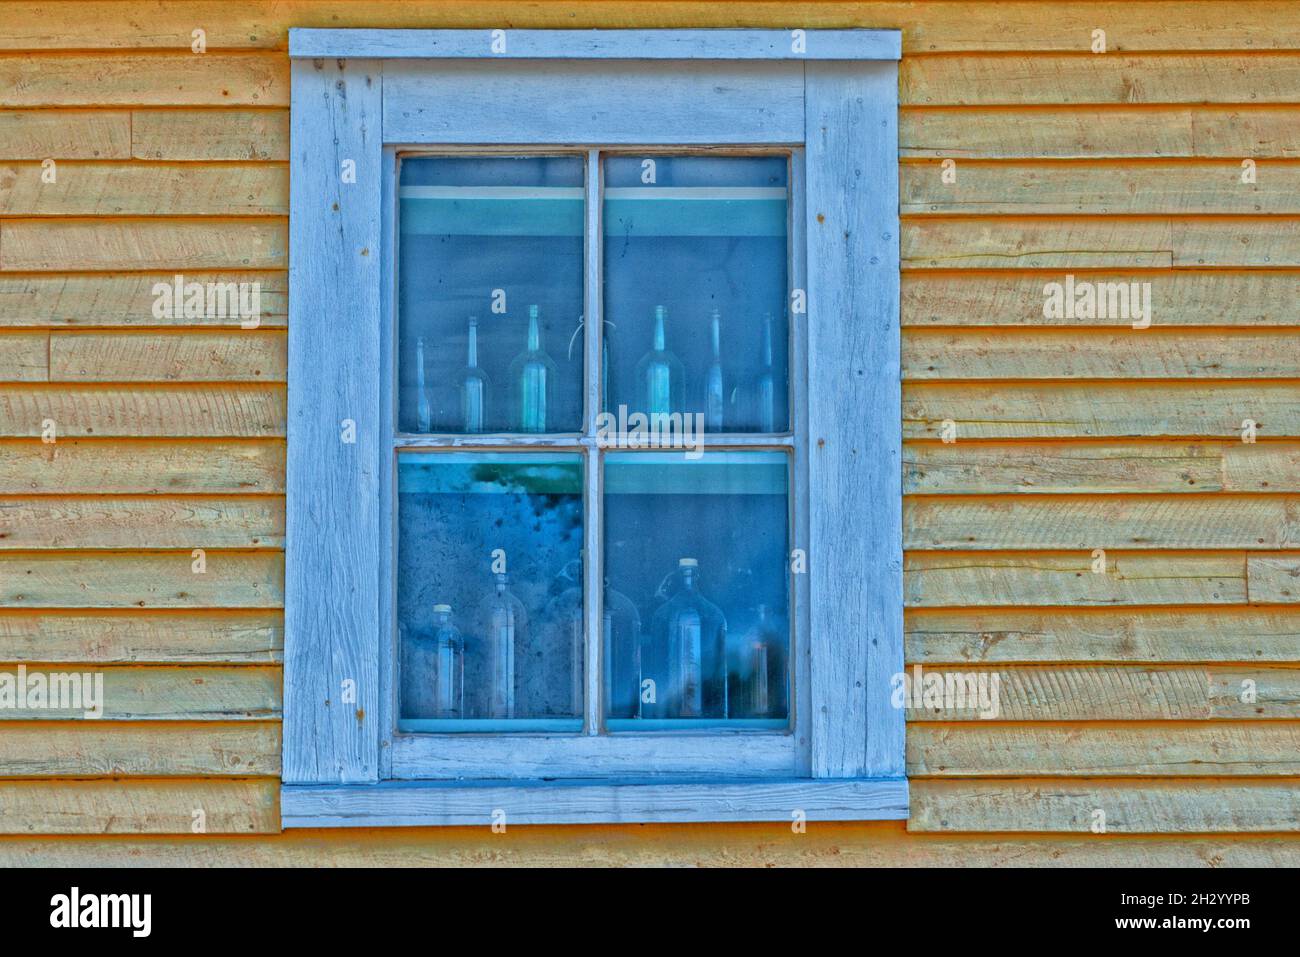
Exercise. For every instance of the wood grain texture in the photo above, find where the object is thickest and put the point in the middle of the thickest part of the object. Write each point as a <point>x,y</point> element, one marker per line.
<point>1204,749</point>
<point>150,806</point>
<point>1130,807</point>
<point>138,750</point>
<point>115,300</point>
<point>185,522</point>
<point>178,411</point>
<point>137,636</point>
<point>1274,578</point>
<point>1099,409</point>
<point>180,79</point>
<point>59,245</point>
<point>937,579</point>
<point>242,356</point>
<point>189,693</point>
<point>1178,299</point>
<point>1188,634</point>
<point>67,134</point>
<point>1110,132</point>
<point>111,189</point>
<point>24,357</point>
<point>141,580</point>
<point>122,467</point>
<point>223,134</point>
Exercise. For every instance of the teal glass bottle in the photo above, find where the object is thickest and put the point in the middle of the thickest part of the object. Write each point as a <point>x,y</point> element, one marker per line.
<point>689,633</point>
<point>532,377</point>
<point>713,389</point>
<point>474,384</point>
<point>423,407</point>
<point>659,373</point>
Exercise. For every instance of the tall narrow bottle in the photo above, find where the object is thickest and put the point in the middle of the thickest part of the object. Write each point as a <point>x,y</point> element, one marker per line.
<point>763,677</point>
<point>693,633</point>
<point>423,407</point>
<point>449,666</point>
<point>532,377</point>
<point>621,633</point>
<point>474,384</point>
<point>505,628</point>
<point>659,373</point>
<point>766,391</point>
<point>713,395</point>
<point>563,618</point>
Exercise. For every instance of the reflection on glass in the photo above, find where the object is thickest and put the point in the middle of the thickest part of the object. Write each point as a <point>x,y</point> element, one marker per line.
<point>564,615</point>
<point>700,548</point>
<point>483,542</point>
<point>490,270</point>
<point>695,260</point>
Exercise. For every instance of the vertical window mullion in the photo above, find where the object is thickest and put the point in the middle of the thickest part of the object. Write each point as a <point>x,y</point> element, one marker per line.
<point>593,566</point>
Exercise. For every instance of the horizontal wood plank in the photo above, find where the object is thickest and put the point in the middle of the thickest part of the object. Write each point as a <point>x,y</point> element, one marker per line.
<point>243,356</point>
<point>189,693</point>
<point>65,134</point>
<point>135,79</point>
<point>141,580</point>
<point>112,189</point>
<point>938,579</point>
<point>210,134</point>
<point>151,806</point>
<point>1274,578</point>
<point>59,245</point>
<point>180,411</point>
<point>1204,749</point>
<point>138,636</point>
<point>141,750</point>
<point>24,357</point>
<point>146,467</point>
<point>186,522</point>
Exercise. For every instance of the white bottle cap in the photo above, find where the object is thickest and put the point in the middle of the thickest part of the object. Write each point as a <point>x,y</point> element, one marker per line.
<point>687,563</point>
<point>438,608</point>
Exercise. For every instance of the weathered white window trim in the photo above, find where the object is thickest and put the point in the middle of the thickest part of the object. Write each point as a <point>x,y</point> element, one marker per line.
<point>830,97</point>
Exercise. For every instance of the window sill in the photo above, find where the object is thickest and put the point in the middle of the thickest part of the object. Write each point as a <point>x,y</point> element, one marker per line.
<point>479,803</point>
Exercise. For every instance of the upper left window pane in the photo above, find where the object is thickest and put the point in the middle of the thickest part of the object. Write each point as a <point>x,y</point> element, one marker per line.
<point>490,293</point>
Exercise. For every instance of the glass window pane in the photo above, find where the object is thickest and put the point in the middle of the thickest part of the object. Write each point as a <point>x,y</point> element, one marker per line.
<point>490,292</point>
<point>489,591</point>
<point>696,606</point>
<point>695,288</point>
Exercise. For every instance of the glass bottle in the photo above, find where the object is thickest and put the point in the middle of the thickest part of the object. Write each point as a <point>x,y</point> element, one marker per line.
<point>713,394</point>
<point>423,407</point>
<point>532,377</point>
<point>505,630</point>
<point>449,654</point>
<point>766,391</point>
<point>621,633</point>
<point>763,677</point>
<point>564,618</point>
<point>474,385</point>
<point>659,374</point>
<point>690,632</point>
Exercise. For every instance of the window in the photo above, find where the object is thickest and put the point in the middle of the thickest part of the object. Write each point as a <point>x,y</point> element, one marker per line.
<point>594,492</point>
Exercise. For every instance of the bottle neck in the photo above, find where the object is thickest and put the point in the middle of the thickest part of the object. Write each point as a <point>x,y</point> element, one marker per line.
<point>472,356</point>
<point>688,579</point>
<point>534,333</point>
<point>767,340</point>
<point>716,338</point>
<point>419,362</point>
<point>659,330</point>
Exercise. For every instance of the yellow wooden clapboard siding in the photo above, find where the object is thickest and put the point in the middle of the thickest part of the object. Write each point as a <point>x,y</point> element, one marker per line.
<point>865,844</point>
<point>937,579</point>
<point>1195,749</point>
<point>1102,521</point>
<point>1183,298</point>
<point>85,749</point>
<point>1274,578</point>
<point>114,300</point>
<point>1087,78</point>
<point>1100,693</point>
<point>173,79</point>
<point>141,580</point>
<point>242,356</point>
<point>141,637</point>
<point>210,134</point>
<point>1148,353</point>
<point>189,693</point>
<point>175,410</point>
<point>145,806</point>
<point>1034,187</point>
<point>119,189</point>
<point>37,245</point>
<point>1129,807</point>
<point>1099,409</point>
<point>1061,468</point>
<point>154,521</point>
<point>1064,245</point>
<point>117,467</point>
<point>1151,635</point>
<point>927,27</point>
<point>1114,132</point>
<point>65,134</point>
<point>24,357</point>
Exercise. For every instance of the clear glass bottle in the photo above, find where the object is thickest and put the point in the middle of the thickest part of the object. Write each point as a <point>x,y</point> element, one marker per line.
<point>762,674</point>
<point>713,391</point>
<point>659,373</point>
<point>765,393</point>
<point>621,633</point>
<point>532,377</point>
<point>423,406</point>
<point>505,632</point>
<point>433,669</point>
<point>564,618</point>
<point>690,636</point>
<point>474,384</point>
